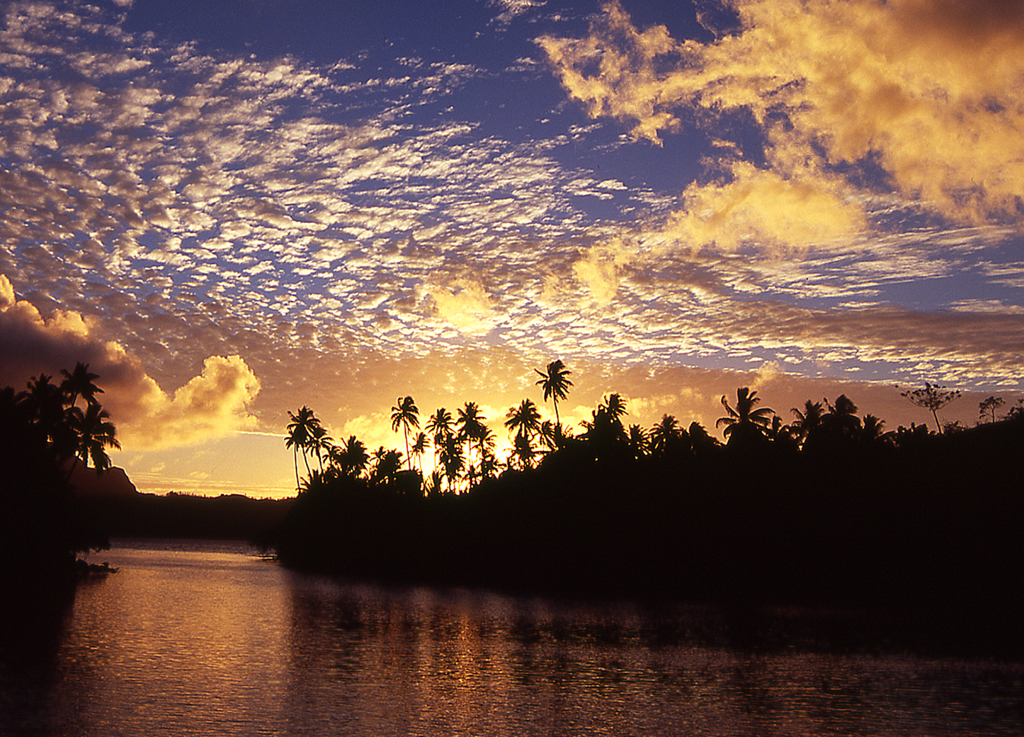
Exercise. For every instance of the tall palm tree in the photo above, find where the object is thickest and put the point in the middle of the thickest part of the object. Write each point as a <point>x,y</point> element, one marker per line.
<point>440,426</point>
<point>300,435</point>
<point>746,421</point>
<point>419,447</point>
<point>80,383</point>
<point>471,427</point>
<point>320,444</point>
<point>405,415</point>
<point>94,433</point>
<point>452,459</point>
<point>555,383</point>
<point>524,422</point>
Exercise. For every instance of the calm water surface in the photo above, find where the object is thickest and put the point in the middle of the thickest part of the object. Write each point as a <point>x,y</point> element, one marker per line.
<point>208,639</point>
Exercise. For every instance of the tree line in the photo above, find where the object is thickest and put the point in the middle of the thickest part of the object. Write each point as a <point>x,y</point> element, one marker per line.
<point>829,508</point>
<point>464,446</point>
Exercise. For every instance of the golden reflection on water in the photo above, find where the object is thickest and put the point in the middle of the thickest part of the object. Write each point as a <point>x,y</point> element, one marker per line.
<point>184,642</point>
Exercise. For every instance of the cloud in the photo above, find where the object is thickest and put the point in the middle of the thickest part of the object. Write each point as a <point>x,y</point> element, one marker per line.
<point>922,97</point>
<point>466,305</point>
<point>600,269</point>
<point>211,405</point>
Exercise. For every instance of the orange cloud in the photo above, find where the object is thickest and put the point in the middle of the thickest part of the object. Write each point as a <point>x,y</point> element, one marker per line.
<point>211,405</point>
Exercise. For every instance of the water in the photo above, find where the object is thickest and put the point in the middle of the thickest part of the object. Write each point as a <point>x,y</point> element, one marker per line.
<point>208,639</point>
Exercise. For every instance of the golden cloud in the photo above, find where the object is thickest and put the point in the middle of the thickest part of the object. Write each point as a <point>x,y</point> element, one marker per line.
<point>599,269</point>
<point>930,90</point>
<point>466,305</point>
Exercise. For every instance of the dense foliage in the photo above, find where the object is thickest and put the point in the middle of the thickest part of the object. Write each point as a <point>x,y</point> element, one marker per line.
<point>44,435</point>
<point>829,509</point>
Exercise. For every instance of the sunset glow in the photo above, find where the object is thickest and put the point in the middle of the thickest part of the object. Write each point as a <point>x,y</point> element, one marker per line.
<point>230,211</point>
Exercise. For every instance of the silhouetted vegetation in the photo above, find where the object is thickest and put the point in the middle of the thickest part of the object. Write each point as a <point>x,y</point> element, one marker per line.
<point>831,509</point>
<point>44,435</point>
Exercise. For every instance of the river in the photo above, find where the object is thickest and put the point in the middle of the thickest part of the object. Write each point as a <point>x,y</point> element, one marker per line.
<point>208,639</point>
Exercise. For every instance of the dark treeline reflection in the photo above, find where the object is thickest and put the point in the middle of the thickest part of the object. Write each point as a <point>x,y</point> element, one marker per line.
<point>829,510</point>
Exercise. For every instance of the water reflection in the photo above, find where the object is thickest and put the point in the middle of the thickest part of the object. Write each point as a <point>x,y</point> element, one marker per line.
<point>429,662</point>
<point>215,641</point>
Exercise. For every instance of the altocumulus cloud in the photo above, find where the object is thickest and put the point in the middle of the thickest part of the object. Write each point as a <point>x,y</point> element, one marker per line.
<point>211,405</point>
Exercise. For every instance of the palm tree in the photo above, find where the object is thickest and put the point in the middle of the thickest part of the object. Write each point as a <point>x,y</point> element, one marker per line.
<point>405,415</point>
<point>388,464</point>
<point>807,420</point>
<point>664,434</point>
<point>555,383</point>
<point>300,434</point>
<point>488,461</point>
<point>615,406</point>
<point>841,419</point>
<point>549,435</point>
<point>350,458</point>
<point>80,383</point>
<point>45,403</point>
<point>744,422</point>
<point>524,422</point>
<point>471,427</point>
<point>94,433</point>
<point>419,447</point>
<point>873,431</point>
<point>440,427</point>
<point>637,442</point>
<point>452,459</point>
<point>523,419</point>
<point>320,443</point>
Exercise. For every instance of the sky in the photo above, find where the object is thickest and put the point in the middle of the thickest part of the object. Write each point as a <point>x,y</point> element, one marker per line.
<point>233,209</point>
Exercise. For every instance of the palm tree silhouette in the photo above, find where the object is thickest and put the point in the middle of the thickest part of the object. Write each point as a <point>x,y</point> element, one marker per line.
<point>873,431</point>
<point>350,458</point>
<point>744,422</point>
<point>637,442</point>
<point>452,459</point>
<point>80,383</point>
<point>664,434</point>
<point>524,422</point>
<point>405,415</point>
<point>555,382</point>
<point>388,464</point>
<point>94,433</point>
<point>471,427</point>
<point>300,434</point>
<point>320,444</point>
<point>807,420</point>
<point>419,447</point>
<point>841,419</point>
<point>440,427</point>
<point>615,406</point>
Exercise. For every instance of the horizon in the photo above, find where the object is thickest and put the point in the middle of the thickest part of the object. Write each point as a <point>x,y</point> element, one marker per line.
<point>233,212</point>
